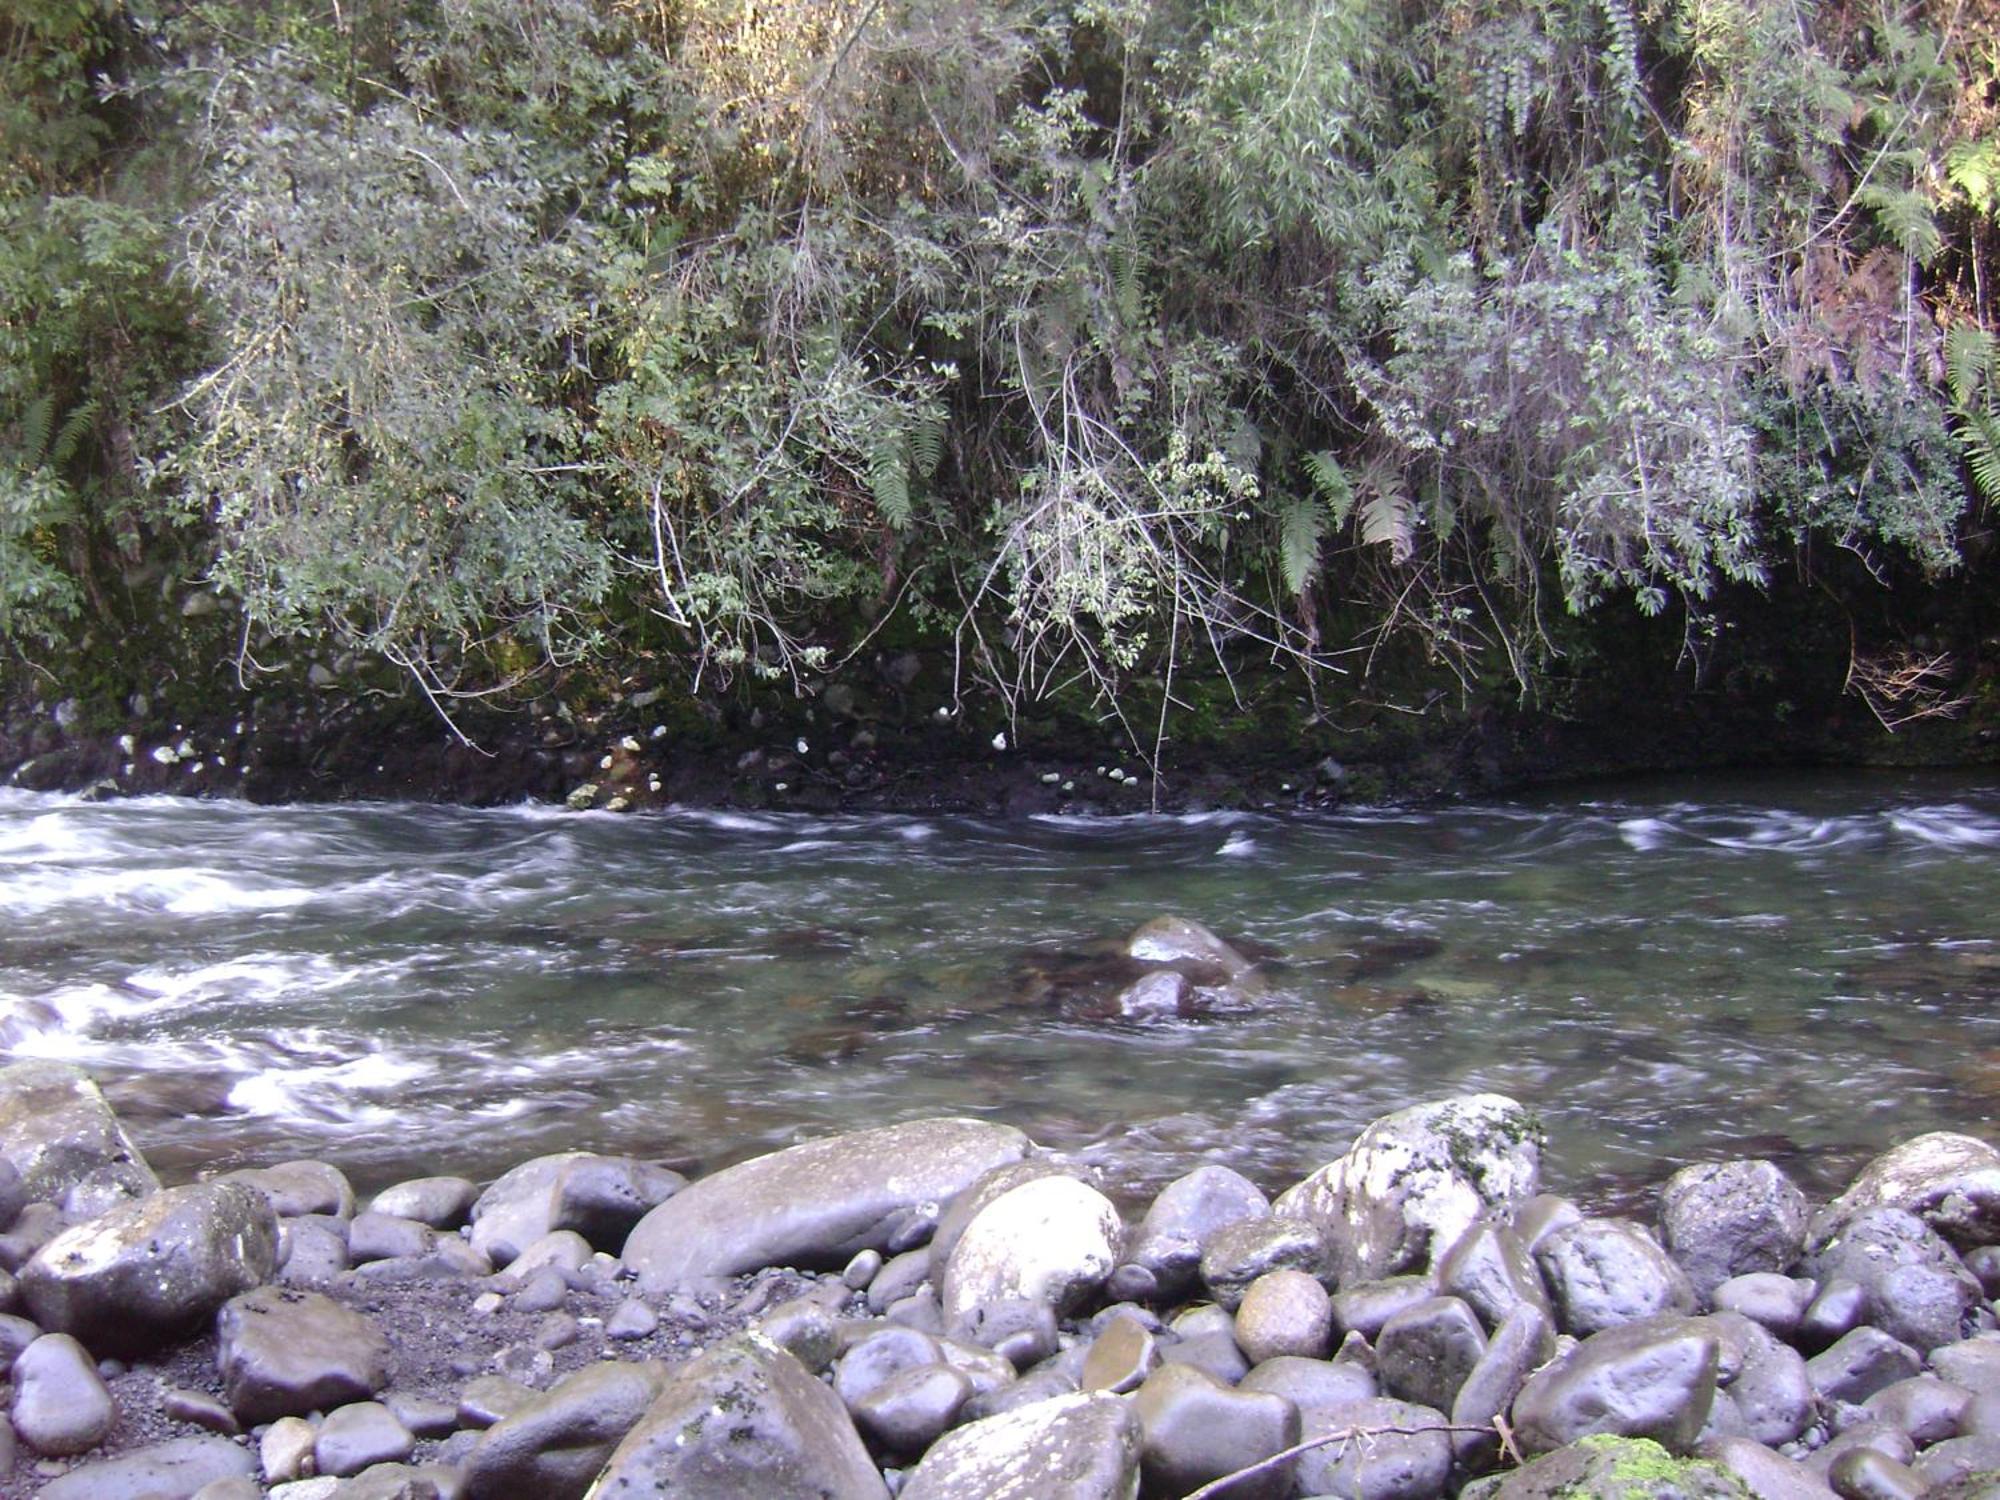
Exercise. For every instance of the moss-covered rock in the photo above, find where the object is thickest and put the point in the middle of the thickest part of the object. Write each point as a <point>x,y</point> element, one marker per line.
<point>1612,1468</point>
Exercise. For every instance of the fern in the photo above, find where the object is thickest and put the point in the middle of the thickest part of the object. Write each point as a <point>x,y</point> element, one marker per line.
<point>927,444</point>
<point>1907,219</point>
<point>1972,356</point>
<point>1973,167</point>
<point>1969,356</point>
<point>1300,525</point>
<point>71,434</point>
<point>1389,519</point>
<point>1979,432</point>
<point>1331,484</point>
<point>889,481</point>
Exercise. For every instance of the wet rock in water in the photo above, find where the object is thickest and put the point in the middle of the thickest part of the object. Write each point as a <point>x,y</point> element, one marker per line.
<point>1425,1353</point>
<point>1603,1272</point>
<point>1860,1364</point>
<point>1196,1429</point>
<point>1238,1254</point>
<point>1164,995</point>
<point>815,1204</point>
<point>1653,1379</point>
<point>1725,1219</point>
<point>1069,1447</point>
<point>1181,943</point>
<point>599,1197</point>
<point>1182,1219</point>
<point>64,1143</point>
<point>284,1352</point>
<point>743,1419</point>
<point>164,1471</point>
<point>553,1446</point>
<point>1950,1181</point>
<point>1917,1290</point>
<point>60,1404</point>
<point>358,1436</point>
<point>1284,1312</point>
<point>147,1271</point>
<point>1775,1302</point>
<point>1053,1240</point>
<point>441,1202</point>
<point>1491,1270</point>
<point>300,1187</point>
<point>1615,1468</point>
<point>1392,1450</point>
<point>1416,1180</point>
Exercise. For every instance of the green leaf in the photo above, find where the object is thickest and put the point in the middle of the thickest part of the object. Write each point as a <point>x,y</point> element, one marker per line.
<point>889,482</point>
<point>1300,524</point>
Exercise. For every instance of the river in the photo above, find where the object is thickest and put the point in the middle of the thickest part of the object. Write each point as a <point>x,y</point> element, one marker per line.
<point>1800,968</point>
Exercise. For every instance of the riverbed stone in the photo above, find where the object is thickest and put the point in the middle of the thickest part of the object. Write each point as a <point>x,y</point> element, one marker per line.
<point>1053,1240</point>
<point>1927,1408</point>
<point>379,1236</point>
<point>1180,942</point>
<point>1603,1272</point>
<point>1764,1377</point>
<point>61,1405</point>
<point>1416,1180</point>
<point>1284,1312</point>
<point>884,1351</point>
<point>1182,1219</point>
<point>599,1197</point>
<point>1313,1385</point>
<point>1917,1289</point>
<point>1772,1301</point>
<point>1724,1219</point>
<point>1880,1436</point>
<point>1950,1181</point>
<point>1654,1379</point>
<point>358,1436</point>
<point>1071,1447</point>
<point>1956,1460</point>
<point>1973,1363</point>
<point>173,1470</point>
<point>1864,1474</point>
<point>284,1352</point>
<point>1163,995</point>
<point>553,1446</point>
<point>1424,1353</point>
<point>64,1143</point>
<point>1237,1254</point>
<point>1395,1450</point>
<point>1366,1308</point>
<point>300,1187</point>
<point>441,1202</point>
<point>909,1411</point>
<point>1196,1429</point>
<point>312,1251</point>
<point>1615,1468</point>
<point>1490,1269</point>
<point>1860,1364</point>
<point>956,1215</point>
<point>813,1205</point>
<point>148,1271</point>
<point>1122,1355</point>
<point>1766,1475</point>
<point>745,1418</point>
<point>1021,1330</point>
<point>1522,1343</point>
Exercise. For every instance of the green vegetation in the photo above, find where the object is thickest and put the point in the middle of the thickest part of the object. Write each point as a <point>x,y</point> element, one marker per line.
<point>1105,342</point>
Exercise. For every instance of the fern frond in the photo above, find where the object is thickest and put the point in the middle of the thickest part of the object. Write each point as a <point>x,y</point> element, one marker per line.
<point>1331,483</point>
<point>889,482</point>
<point>1970,355</point>
<point>1301,523</point>
<point>1979,434</point>
<point>35,423</point>
<point>1388,518</point>
<point>1973,167</point>
<point>71,434</point>
<point>927,444</point>
<point>1907,219</point>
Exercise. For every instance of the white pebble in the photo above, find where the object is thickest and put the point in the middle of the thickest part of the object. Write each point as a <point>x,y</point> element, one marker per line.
<point>604,764</point>
<point>801,746</point>
<point>629,744</point>
<point>999,742</point>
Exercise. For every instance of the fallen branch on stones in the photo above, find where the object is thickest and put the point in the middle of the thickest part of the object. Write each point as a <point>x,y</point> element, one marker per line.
<point>1215,1487</point>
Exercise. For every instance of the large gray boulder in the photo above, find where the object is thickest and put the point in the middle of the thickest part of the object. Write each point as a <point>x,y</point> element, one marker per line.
<point>598,1197</point>
<point>1169,1241</point>
<point>1653,1379</point>
<point>1915,1287</point>
<point>1077,1447</point>
<point>814,1205</point>
<point>1053,1240</point>
<point>148,1271</point>
<point>1388,1450</point>
<point>1603,1272</point>
<point>1416,1180</point>
<point>1731,1218</point>
<point>746,1418</point>
<point>63,1141</point>
<point>283,1352</point>
<point>554,1447</point>
<point>1950,1181</point>
<point>173,1470</point>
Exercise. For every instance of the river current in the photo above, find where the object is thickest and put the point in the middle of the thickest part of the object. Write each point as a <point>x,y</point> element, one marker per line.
<point>1807,970</point>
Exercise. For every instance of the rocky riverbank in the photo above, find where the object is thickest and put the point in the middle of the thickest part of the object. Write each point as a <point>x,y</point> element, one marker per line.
<point>937,1309</point>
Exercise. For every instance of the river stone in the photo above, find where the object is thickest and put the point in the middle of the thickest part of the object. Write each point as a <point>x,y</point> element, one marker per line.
<point>1654,1379</point>
<point>1163,995</point>
<point>1956,1460</point>
<point>552,1447</point>
<point>358,1436</point>
<point>1950,1181</point>
<point>964,1207</point>
<point>1425,1352</point>
<point>175,1470</point>
<point>1521,1344</point>
<point>1877,1435</point>
<point>1541,1216</point>
<point>1122,1355</point>
<point>1838,1307</point>
<point>284,1352</point>
<point>311,1251</point>
<point>1184,1217</point>
<point>1917,1288</point>
<point>1860,1364</point>
<point>1765,1474</point>
<point>1864,1474</point>
<point>599,1197</point>
<point>441,1202</point>
<point>1394,1450</point>
<point>1196,1429</point>
<point>379,1236</point>
<point>1765,1378</point>
<point>1767,1299</point>
<point>910,1410</point>
<point>1366,1308</point>
<point>804,1328</point>
<point>147,1271</point>
<point>1214,1354</point>
<point>64,1143</point>
<point>1188,945</point>
<point>1973,1363</point>
<point>1925,1407</point>
<point>1615,1468</point>
<point>1312,1385</point>
<point>743,1419</point>
<point>1724,1219</point>
<point>300,1187</point>
<point>1021,1330</point>
<point>60,1405</point>
<point>1237,1254</point>
<point>1603,1272</point>
<point>1070,1447</point>
<point>1284,1312</point>
<point>1053,1240</point>
<point>284,1452</point>
<point>1491,1271</point>
<point>1416,1180</point>
<point>887,1350</point>
<point>813,1205</point>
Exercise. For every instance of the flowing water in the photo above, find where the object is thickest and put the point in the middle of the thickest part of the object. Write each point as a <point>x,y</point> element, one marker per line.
<point>1801,969</point>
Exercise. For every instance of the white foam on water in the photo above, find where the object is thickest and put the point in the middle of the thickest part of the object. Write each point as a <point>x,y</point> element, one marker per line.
<point>329,1091</point>
<point>187,891</point>
<point>1237,846</point>
<point>1948,827</point>
<point>1645,834</point>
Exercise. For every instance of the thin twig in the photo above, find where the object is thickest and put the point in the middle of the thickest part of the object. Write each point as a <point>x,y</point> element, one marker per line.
<point>1216,1487</point>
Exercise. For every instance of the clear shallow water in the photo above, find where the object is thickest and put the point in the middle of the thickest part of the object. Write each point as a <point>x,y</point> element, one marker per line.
<point>1802,969</point>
